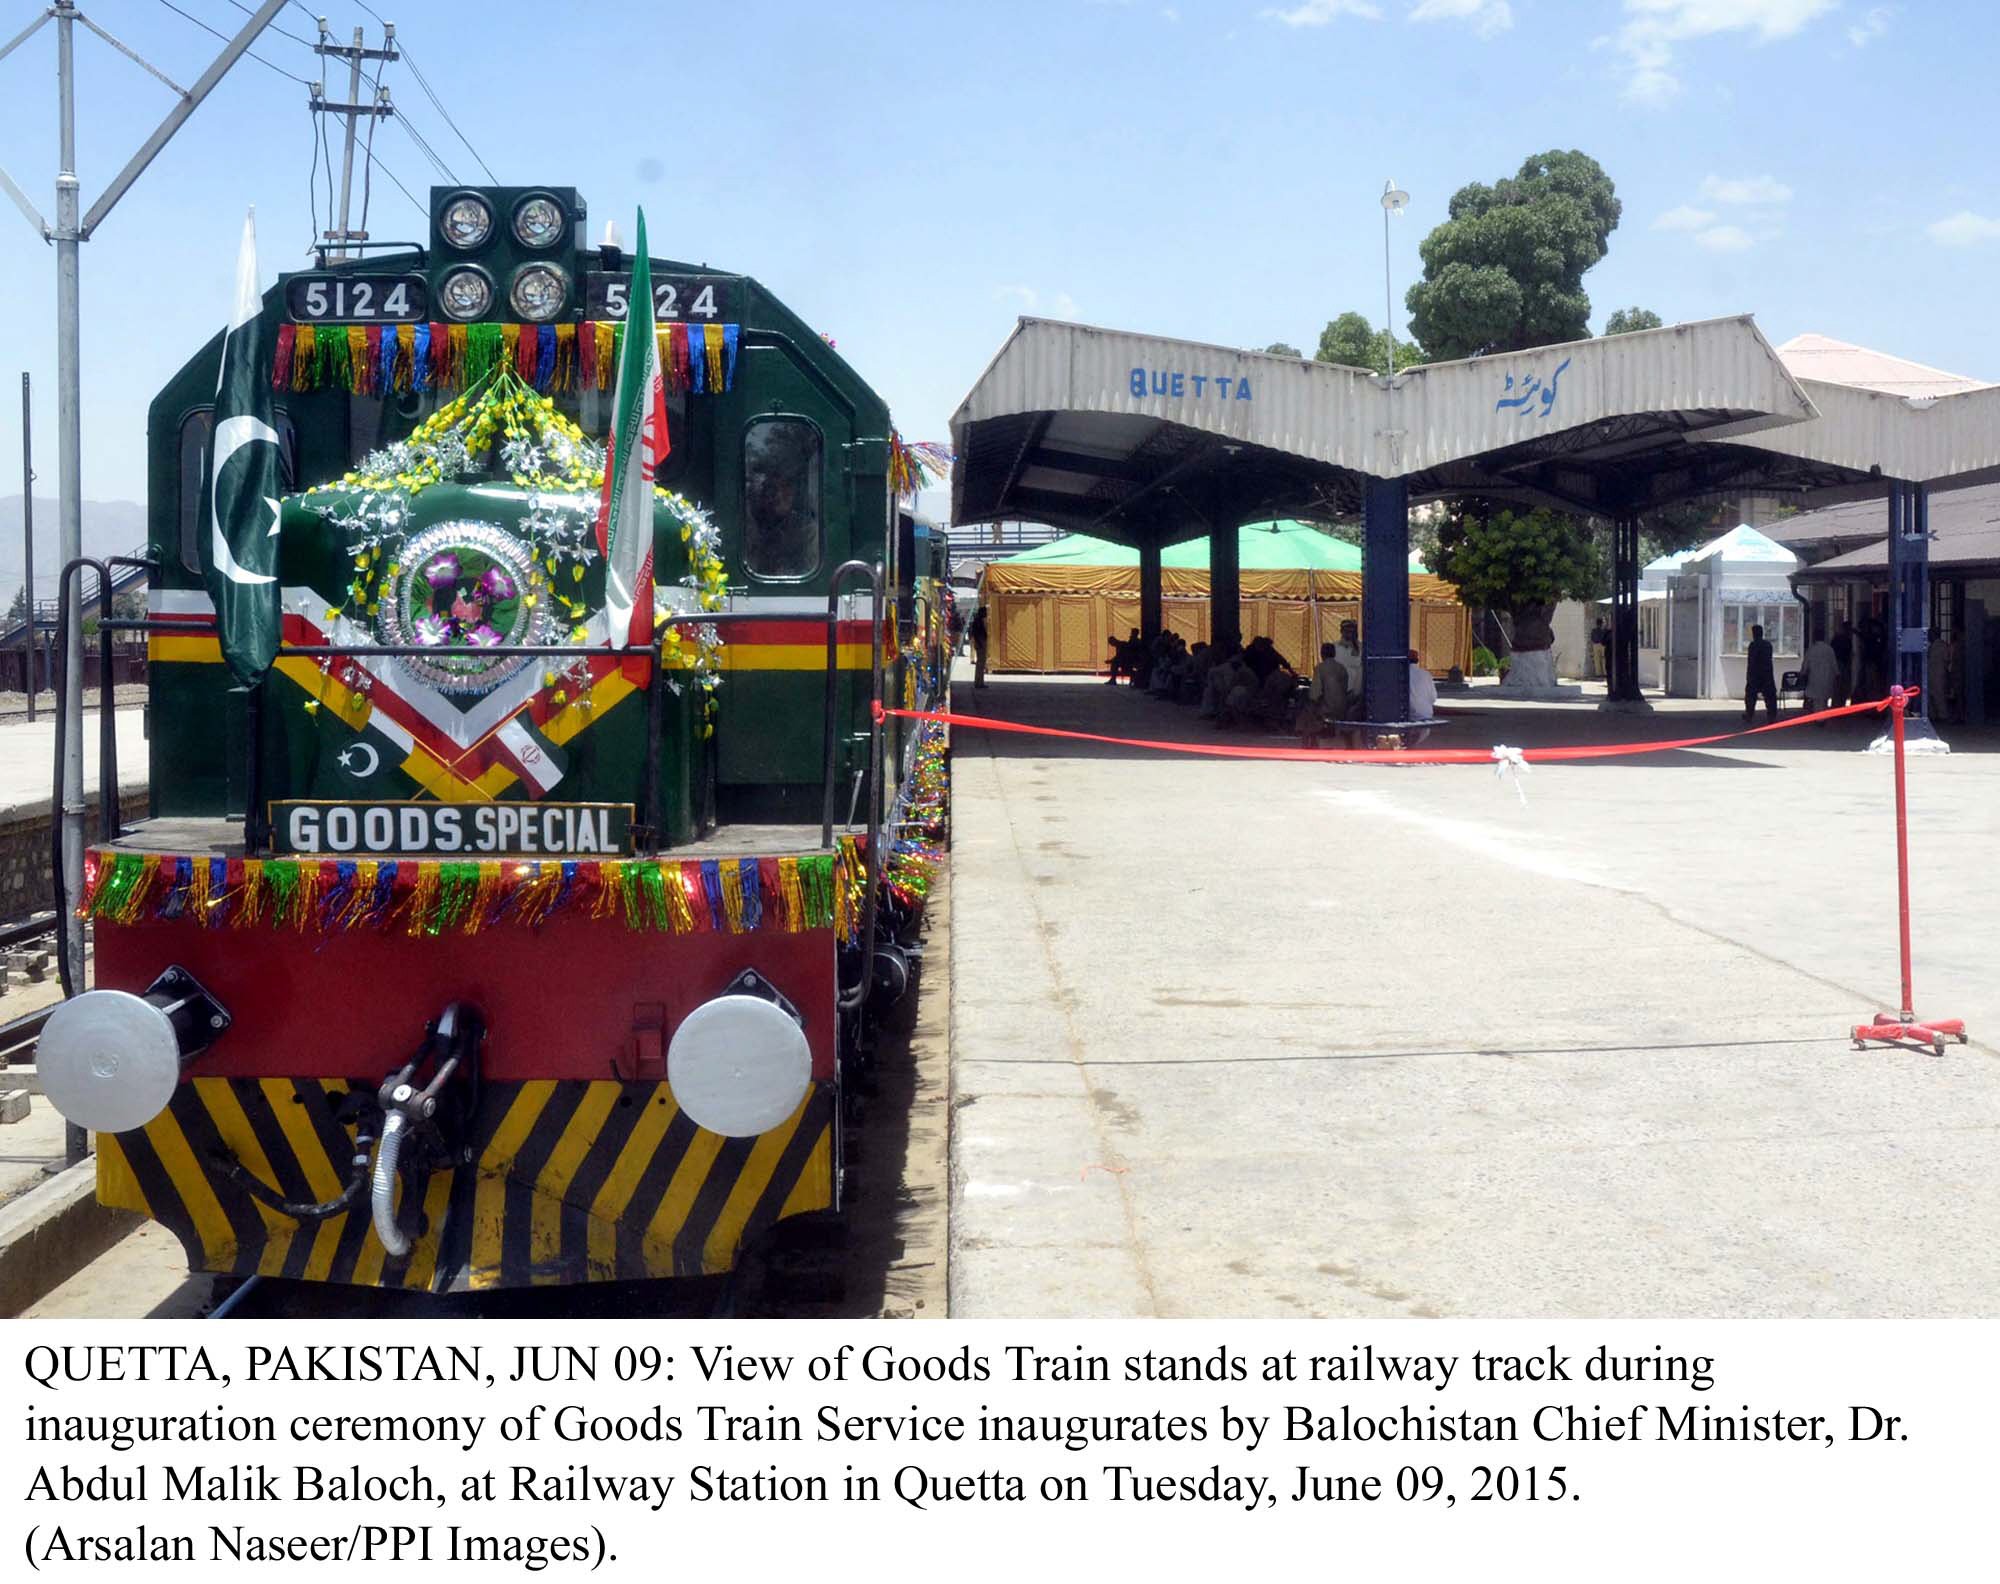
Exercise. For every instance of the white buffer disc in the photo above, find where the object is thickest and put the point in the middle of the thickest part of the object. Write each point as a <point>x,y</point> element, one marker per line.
<point>108,1061</point>
<point>738,1065</point>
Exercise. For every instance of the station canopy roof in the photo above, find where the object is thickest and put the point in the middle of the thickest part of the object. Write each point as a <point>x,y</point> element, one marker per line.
<point>1261,547</point>
<point>1133,437</point>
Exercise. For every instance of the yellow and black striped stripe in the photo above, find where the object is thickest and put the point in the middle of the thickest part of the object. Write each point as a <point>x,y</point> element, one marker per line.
<point>575,1182</point>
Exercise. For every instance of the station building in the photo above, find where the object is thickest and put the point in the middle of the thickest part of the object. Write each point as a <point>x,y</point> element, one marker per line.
<point>1149,441</point>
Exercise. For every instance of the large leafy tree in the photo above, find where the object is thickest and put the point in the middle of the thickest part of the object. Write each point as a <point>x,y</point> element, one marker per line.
<point>1522,562</point>
<point>1353,341</point>
<point>1283,349</point>
<point>1624,321</point>
<point>1505,270</point>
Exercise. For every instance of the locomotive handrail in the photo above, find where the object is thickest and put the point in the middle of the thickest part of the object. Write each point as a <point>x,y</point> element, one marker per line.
<point>110,821</point>
<point>873,572</point>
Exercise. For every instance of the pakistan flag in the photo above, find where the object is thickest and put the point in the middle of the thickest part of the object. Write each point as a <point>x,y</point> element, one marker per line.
<point>241,485</point>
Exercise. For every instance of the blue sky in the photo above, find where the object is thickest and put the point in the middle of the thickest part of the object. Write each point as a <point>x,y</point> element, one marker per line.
<point>910,176</point>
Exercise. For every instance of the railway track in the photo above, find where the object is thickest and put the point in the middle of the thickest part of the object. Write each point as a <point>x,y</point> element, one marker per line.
<point>18,1034</point>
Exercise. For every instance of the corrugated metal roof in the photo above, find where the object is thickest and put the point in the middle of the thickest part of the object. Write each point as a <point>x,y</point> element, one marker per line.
<point>1921,439</point>
<point>1351,419</point>
<point>1819,357</point>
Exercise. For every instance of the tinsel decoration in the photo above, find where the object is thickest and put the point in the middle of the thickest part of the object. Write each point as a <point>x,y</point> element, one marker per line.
<point>918,465</point>
<point>913,849</point>
<point>426,897</point>
<point>380,360</point>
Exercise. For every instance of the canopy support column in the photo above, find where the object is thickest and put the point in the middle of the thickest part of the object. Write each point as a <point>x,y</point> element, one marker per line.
<point>1225,578</point>
<point>1909,613</point>
<point>1622,686</point>
<point>1149,590</point>
<point>1385,599</point>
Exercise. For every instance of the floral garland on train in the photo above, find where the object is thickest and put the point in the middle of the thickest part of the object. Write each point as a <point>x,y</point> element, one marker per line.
<point>543,452</point>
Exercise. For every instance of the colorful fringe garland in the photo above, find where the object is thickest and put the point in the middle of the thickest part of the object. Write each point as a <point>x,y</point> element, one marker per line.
<point>380,360</point>
<point>916,465</point>
<point>734,896</point>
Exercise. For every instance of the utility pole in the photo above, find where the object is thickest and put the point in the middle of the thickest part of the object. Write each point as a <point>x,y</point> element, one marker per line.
<point>28,538</point>
<point>68,235</point>
<point>354,54</point>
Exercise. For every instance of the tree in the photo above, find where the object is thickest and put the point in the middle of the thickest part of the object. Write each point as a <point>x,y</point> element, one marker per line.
<point>1283,349</point>
<point>1624,321</point>
<point>1505,270</point>
<point>18,611</point>
<point>1352,341</point>
<point>1520,561</point>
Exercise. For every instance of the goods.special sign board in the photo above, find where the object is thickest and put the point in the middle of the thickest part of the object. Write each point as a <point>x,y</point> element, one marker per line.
<point>457,830</point>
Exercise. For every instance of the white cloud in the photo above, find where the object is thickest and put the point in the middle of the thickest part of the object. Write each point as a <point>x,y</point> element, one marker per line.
<point>1317,13</point>
<point>1964,229</point>
<point>1654,27</point>
<point>1745,190</point>
<point>1171,13</point>
<point>1724,239</point>
<point>1060,306</point>
<point>1871,27</point>
<point>1685,218</point>
<point>1487,17</point>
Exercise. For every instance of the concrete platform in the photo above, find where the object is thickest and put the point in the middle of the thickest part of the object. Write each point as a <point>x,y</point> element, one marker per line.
<point>1302,1039</point>
<point>27,755</point>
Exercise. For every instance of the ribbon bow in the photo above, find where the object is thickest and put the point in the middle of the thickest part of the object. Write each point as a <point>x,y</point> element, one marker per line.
<point>1510,764</point>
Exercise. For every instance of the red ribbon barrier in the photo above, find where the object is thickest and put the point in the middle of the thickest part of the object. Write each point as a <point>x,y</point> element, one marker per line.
<point>1479,756</point>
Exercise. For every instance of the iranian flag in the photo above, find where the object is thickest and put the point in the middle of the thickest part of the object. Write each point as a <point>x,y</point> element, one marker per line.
<point>637,446</point>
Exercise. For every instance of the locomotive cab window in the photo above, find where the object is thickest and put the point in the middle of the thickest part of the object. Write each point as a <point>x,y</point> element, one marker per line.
<point>197,431</point>
<point>782,464</point>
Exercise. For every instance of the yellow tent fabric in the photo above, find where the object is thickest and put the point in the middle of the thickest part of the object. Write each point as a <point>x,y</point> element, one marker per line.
<point>1062,618</point>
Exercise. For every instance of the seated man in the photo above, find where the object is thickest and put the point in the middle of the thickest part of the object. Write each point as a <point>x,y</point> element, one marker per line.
<point>1423,691</point>
<point>1326,703</point>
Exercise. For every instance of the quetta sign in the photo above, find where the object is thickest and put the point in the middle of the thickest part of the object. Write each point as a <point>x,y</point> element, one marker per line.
<point>484,830</point>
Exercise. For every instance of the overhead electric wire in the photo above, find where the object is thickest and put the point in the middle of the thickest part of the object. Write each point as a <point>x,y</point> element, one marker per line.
<point>197,21</point>
<point>429,93</point>
<point>272,27</point>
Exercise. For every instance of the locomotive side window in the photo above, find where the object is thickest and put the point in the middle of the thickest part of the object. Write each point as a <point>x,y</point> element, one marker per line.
<point>782,463</point>
<point>197,430</point>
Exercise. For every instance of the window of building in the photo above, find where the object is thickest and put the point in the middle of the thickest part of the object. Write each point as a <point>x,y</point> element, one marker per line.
<point>197,430</point>
<point>781,498</point>
<point>1649,625</point>
<point>1781,624</point>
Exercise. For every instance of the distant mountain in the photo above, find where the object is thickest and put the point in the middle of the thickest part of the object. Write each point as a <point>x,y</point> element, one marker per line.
<point>109,528</point>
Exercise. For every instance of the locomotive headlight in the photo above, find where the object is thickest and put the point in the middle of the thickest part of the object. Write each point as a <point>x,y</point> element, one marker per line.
<point>538,222</point>
<point>467,222</point>
<point>467,293</point>
<point>539,292</point>
<point>739,1065</point>
<point>110,1061</point>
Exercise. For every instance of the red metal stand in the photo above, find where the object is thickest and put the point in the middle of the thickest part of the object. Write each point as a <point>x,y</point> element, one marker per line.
<point>1895,1028</point>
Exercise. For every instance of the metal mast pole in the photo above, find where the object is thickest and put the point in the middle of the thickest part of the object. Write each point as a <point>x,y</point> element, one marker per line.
<point>28,537</point>
<point>1388,293</point>
<point>68,239</point>
<point>68,234</point>
<point>347,156</point>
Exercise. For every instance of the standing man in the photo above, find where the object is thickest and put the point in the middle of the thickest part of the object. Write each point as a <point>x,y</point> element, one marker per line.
<point>1759,680</point>
<point>1822,670</point>
<point>977,633</point>
<point>1348,651</point>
